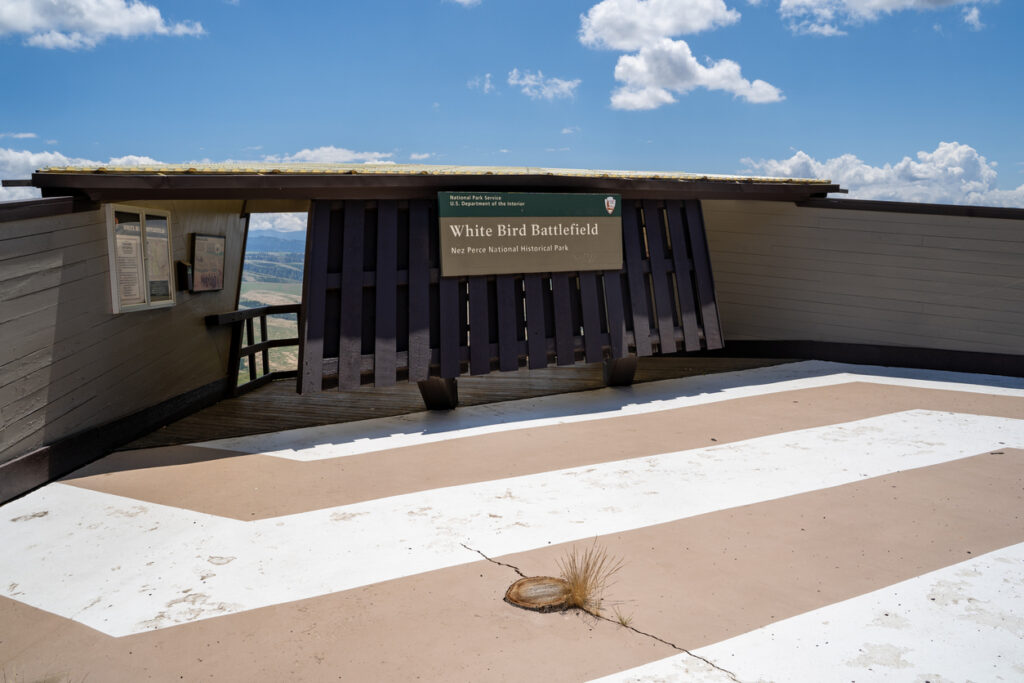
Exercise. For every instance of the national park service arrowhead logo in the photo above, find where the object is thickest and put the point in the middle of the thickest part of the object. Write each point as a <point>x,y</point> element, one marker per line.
<point>609,205</point>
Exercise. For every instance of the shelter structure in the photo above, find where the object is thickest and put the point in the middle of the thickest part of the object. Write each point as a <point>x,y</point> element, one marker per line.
<point>119,288</point>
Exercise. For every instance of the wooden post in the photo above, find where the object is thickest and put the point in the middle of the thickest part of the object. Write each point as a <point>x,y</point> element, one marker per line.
<point>619,372</point>
<point>263,338</point>
<point>440,393</point>
<point>234,359</point>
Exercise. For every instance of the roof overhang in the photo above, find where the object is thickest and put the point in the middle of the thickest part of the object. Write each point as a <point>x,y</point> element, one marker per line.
<point>387,181</point>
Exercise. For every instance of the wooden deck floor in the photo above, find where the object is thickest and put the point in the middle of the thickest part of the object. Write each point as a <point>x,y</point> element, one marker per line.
<point>276,406</point>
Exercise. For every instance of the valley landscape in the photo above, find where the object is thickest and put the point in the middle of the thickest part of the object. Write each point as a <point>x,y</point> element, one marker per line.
<point>272,276</point>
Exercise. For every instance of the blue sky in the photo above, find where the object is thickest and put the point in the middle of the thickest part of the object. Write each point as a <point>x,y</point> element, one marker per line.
<point>916,100</point>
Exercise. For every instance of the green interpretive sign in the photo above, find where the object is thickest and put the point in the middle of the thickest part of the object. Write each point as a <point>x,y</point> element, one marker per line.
<point>497,233</point>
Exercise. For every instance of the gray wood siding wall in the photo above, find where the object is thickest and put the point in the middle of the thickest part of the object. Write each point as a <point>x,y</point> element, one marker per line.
<point>66,362</point>
<point>868,277</point>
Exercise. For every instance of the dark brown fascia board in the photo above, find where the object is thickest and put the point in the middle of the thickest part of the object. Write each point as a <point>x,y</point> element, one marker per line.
<point>41,208</point>
<point>911,207</point>
<point>113,187</point>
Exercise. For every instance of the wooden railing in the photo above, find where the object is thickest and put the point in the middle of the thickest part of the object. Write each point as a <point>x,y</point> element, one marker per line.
<point>244,346</point>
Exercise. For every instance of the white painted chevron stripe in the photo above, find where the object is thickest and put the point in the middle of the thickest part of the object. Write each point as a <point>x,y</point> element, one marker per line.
<point>334,441</point>
<point>123,566</point>
<point>964,622</point>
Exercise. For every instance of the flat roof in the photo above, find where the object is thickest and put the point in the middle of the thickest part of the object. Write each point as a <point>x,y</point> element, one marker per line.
<point>341,181</point>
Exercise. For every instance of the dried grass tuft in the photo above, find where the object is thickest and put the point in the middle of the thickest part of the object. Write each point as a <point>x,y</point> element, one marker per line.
<point>588,573</point>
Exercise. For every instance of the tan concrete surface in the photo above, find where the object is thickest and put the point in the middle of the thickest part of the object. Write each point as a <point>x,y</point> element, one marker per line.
<point>243,486</point>
<point>690,582</point>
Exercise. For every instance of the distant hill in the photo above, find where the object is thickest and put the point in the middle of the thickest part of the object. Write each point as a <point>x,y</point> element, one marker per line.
<point>274,256</point>
<point>276,241</point>
<point>277,266</point>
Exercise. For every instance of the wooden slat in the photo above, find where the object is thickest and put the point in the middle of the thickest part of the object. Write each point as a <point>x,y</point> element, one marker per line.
<point>591,317</point>
<point>386,294</point>
<point>419,291</point>
<point>351,304</point>
<point>263,338</point>
<point>702,268</point>
<point>508,329</point>
<point>663,303</point>
<point>684,285</point>
<point>314,299</point>
<point>479,327</point>
<point>616,314</point>
<point>536,343</point>
<point>449,326</point>
<point>249,341</point>
<point>262,346</point>
<point>564,334</point>
<point>635,278</point>
<point>235,359</point>
<point>247,313</point>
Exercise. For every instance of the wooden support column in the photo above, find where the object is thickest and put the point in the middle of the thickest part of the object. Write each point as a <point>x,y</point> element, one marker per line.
<point>439,393</point>
<point>619,372</point>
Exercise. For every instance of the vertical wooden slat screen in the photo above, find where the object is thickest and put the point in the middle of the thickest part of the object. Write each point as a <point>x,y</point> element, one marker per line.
<point>372,316</point>
<point>384,349</point>
<point>592,334</point>
<point>536,339</point>
<point>616,314</point>
<point>508,332</point>
<point>419,291</point>
<point>449,327</point>
<point>702,269</point>
<point>564,334</point>
<point>634,265</point>
<point>349,315</point>
<point>479,327</point>
<point>682,262</point>
<point>314,297</point>
<point>663,304</point>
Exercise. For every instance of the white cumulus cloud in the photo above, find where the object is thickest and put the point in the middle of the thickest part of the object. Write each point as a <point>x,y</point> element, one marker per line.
<point>283,222</point>
<point>663,66</point>
<point>651,76</point>
<point>77,24</point>
<point>20,164</point>
<point>972,17</point>
<point>536,86</point>
<point>329,155</point>
<point>826,17</point>
<point>953,173</point>
<point>630,24</point>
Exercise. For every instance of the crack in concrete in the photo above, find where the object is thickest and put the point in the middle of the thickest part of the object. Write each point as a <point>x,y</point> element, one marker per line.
<point>671,645</point>
<point>617,622</point>
<point>503,564</point>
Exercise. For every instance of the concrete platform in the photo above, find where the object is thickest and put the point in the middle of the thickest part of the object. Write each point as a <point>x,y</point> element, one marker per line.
<point>802,522</point>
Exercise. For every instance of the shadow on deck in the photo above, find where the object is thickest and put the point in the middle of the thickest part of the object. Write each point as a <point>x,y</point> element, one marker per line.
<point>276,406</point>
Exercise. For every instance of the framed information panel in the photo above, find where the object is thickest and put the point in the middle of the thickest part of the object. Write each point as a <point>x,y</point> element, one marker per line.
<point>207,263</point>
<point>139,246</point>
